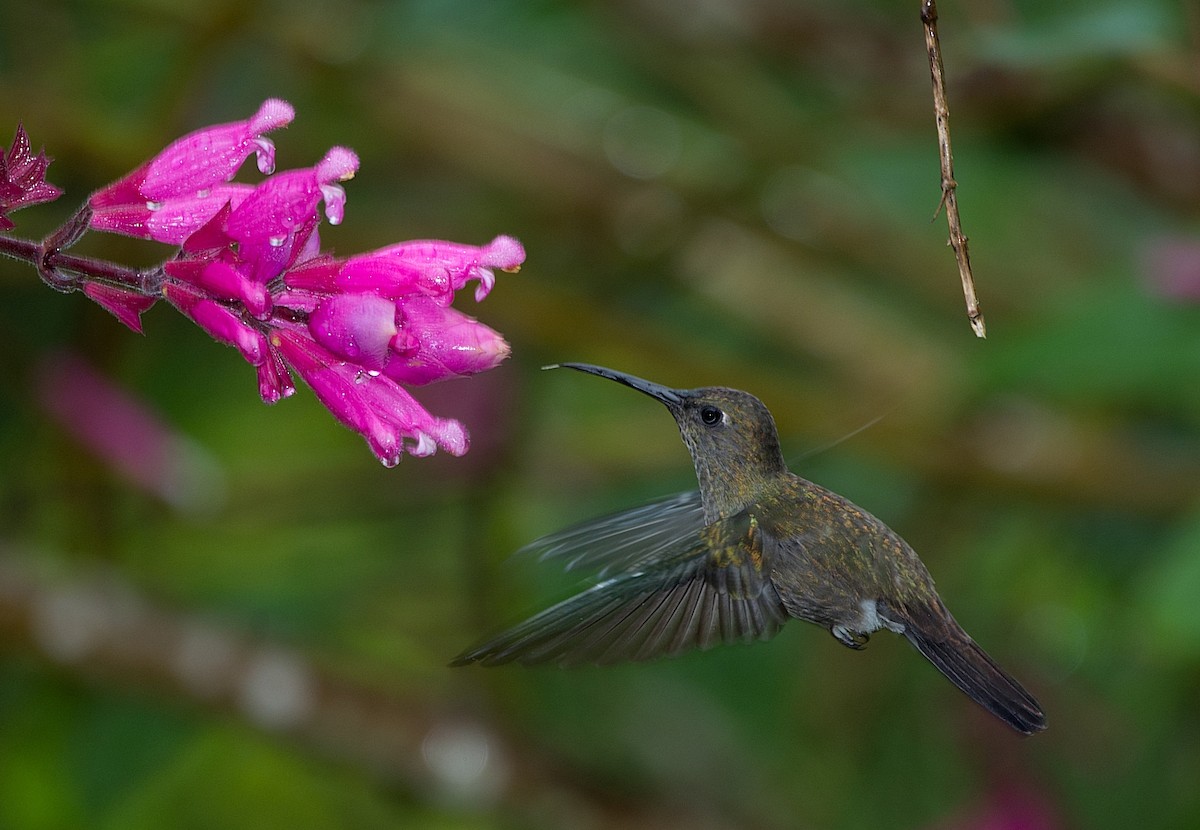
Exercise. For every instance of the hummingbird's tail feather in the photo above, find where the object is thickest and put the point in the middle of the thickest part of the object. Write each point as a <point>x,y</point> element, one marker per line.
<point>944,643</point>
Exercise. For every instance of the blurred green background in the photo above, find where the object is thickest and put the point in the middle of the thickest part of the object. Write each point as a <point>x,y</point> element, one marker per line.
<point>734,193</point>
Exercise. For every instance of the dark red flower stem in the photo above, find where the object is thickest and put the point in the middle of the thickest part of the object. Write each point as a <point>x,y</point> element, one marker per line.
<point>67,272</point>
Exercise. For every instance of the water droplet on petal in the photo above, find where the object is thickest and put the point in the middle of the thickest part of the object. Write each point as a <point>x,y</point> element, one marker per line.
<point>276,241</point>
<point>153,206</point>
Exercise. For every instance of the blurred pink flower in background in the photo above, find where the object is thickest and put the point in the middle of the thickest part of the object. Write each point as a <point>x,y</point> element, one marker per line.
<point>1007,808</point>
<point>127,435</point>
<point>1171,268</point>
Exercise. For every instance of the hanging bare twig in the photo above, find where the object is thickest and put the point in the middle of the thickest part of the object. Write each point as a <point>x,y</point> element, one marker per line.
<point>941,109</point>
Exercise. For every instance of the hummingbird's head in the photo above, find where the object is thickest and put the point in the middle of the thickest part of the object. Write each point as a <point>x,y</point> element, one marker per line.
<point>729,433</point>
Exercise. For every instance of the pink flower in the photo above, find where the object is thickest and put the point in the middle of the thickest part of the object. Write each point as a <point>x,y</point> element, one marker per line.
<point>447,343</point>
<point>181,188</point>
<point>1171,268</point>
<point>372,405</point>
<point>415,341</point>
<point>274,222</point>
<point>121,431</point>
<point>23,178</point>
<point>431,267</point>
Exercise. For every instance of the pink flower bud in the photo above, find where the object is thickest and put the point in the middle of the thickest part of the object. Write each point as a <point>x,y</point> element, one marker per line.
<point>449,344</point>
<point>182,187</point>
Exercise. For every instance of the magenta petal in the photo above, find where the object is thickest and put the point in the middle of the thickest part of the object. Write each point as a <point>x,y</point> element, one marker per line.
<point>128,219</point>
<point>504,253</point>
<point>315,274</point>
<point>175,220</point>
<point>227,327</point>
<point>126,306</point>
<point>273,114</point>
<point>356,327</point>
<point>390,273</point>
<point>207,157</point>
<point>307,244</point>
<point>302,301</point>
<point>210,238</point>
<point>437,268</point>
<point>277,207</point>
<point>124,191</point>
<point>287,201</point>
<point>276,222</point>
<point>218,278</point>
<point>339,164</point>
<point>172,221</point>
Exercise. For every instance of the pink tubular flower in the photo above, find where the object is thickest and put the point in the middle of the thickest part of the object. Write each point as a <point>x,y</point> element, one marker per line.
<point>23,178</point>
<point>374,406</point>
<point>275,221</point>
<point>120,430</point>
<point>181,188</point>
<point>431,267</point>
<point>250,273</point>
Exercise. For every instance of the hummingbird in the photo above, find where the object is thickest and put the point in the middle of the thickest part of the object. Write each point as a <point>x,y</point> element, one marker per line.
<point>755,546</point>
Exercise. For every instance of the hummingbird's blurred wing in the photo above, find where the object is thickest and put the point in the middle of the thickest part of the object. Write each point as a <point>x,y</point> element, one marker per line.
<point>620,542</point>
<point>711,586</point>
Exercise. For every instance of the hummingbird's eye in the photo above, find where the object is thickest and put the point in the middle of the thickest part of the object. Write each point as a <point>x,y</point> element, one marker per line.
<point>711,416</point>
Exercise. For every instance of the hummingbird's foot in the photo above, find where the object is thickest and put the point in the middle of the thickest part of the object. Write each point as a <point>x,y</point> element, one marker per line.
<point>856,640</point>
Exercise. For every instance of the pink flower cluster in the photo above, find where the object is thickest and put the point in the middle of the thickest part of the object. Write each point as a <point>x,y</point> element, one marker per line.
<point>251,274</point>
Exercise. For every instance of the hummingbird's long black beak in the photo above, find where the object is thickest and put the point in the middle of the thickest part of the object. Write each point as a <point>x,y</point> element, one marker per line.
<point>655,390</point>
